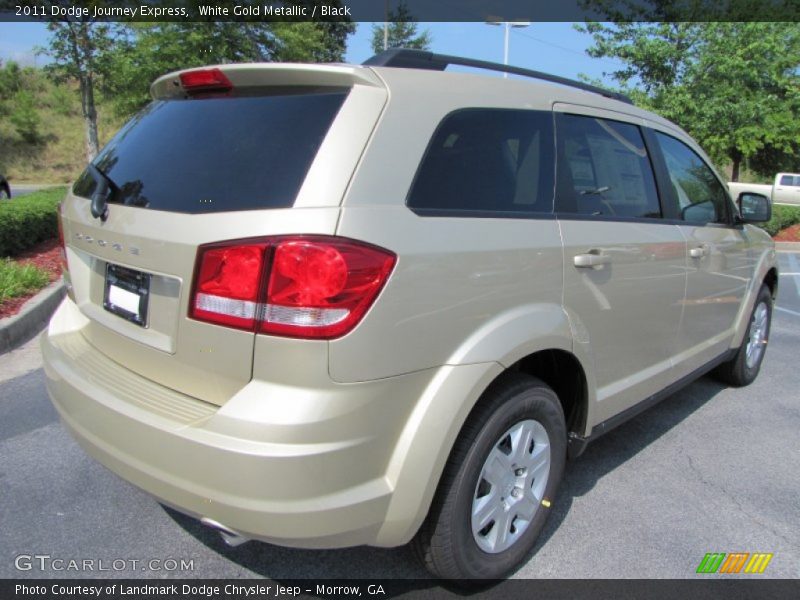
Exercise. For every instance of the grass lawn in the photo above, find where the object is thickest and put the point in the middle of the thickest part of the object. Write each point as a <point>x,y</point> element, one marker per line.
<point>19,280</point>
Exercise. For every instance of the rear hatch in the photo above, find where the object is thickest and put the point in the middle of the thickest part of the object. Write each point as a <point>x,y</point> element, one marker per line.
<point>256,150</point>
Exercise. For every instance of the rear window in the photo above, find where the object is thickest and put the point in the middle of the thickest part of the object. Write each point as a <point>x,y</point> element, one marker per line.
<point>215,154</point>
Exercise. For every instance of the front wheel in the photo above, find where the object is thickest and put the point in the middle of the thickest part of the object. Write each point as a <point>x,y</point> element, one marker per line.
<point>743,368</point>
<point>498,485</point>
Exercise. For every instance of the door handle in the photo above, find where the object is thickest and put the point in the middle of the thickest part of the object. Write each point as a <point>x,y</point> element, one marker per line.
<point>699,251</point>
<point>593,258</point>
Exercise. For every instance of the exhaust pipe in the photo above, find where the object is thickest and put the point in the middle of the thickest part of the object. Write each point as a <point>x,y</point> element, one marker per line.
<point>229,536</point>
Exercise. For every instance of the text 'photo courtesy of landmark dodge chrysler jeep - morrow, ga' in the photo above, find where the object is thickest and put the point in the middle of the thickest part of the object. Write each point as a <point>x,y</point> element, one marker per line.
<point>331,305</point>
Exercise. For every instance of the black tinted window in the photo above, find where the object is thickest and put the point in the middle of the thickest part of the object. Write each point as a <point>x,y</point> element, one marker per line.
<point>790,180</point>
<point>606,170</point>
<point>488,160</point>
<point>700,196</point>
<point>217,154</point>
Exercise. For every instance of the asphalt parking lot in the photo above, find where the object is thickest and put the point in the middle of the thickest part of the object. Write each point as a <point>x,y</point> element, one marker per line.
<point>710,469</point>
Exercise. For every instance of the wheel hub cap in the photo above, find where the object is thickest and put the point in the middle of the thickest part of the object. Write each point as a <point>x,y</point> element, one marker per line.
<point>758,335</point>
<point>511,486</point>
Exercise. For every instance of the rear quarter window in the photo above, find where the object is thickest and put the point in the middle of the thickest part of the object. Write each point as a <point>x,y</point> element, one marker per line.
<point>495,162</point>
<point>213,154</point>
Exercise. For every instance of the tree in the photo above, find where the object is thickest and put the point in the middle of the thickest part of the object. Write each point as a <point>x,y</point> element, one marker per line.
<point>10,83</point>
<point>10,79</point>
<point>151,50</point>
<point>769,161</point>
<point>732,85</point>
<point>402,32</point>
<point>81,51</point>
<point>744,89</point>
<point>24,117</point>
<point>334,40</point>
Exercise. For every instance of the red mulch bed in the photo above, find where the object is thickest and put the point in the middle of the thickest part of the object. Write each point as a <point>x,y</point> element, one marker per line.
<point>47,256</point>
<point>790,234</point>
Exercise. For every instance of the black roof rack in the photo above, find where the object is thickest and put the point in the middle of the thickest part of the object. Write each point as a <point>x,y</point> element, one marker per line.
<point>421,59</point>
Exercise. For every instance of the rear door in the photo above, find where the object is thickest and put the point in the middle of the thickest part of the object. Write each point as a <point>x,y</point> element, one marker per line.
<point>272,155</point>
<point>720,265</point>
<point>624,264</point>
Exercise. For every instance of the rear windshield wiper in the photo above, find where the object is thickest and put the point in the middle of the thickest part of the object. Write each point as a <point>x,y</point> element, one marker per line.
<point>101,192</point>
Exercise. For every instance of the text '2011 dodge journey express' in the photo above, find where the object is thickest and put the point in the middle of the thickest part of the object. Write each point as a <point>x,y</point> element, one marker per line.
<point>332,305</point>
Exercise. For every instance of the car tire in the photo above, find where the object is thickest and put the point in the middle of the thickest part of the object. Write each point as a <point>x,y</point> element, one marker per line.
<point>743,368</point>
<point>494,474</point>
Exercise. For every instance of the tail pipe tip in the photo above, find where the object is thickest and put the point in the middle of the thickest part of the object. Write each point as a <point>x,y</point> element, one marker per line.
<point>229,536</point>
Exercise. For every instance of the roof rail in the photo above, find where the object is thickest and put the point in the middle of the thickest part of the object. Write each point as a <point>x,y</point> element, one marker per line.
<point>421,59</point>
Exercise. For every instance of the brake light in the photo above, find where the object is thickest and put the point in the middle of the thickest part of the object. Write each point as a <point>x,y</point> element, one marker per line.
<point>312,287</point>
<point>205,80</point>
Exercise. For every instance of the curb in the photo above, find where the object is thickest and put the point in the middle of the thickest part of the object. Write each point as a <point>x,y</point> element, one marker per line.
<point>787,246</point>
<point>33,317</point>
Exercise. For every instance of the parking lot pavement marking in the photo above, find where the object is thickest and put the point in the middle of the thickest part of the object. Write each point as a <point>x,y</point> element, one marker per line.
<point>786,310</point>
<point>795,266</point>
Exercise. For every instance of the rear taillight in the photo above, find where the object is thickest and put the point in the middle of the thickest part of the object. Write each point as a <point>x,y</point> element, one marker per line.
<point>205,80</point>
<point>228,283</point>
<point>294,286</point>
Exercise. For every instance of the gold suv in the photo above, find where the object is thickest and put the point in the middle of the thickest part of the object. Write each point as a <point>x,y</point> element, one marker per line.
<point>331,305</point>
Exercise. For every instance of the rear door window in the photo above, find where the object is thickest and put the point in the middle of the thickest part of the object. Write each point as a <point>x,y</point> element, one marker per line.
<point>489,161</point>
<point>604,169</point>
<point>213,154</point>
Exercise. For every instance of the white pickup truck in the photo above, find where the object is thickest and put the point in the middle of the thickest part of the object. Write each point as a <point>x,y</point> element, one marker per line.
<point>785,190</point>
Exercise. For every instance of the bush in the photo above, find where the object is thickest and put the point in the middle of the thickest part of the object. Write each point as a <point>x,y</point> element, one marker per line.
<point>28,220</point>
<point>782,217</point>
<point>17,280</point>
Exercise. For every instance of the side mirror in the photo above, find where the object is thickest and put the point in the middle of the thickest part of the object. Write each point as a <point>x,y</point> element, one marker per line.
<point>754,208</point>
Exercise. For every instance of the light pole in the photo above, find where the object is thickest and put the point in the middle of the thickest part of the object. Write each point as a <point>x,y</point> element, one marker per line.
<point>386,25</point>
<point>507,25</point>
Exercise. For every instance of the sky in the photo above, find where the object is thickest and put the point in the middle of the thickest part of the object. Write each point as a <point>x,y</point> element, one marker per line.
<point>550,47</point>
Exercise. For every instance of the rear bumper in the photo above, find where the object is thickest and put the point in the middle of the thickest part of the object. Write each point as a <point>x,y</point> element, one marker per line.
<point>319,472</point>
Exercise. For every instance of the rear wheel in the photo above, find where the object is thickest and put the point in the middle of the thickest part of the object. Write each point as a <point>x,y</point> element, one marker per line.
<point>498,485</point>
<point>743,368</point>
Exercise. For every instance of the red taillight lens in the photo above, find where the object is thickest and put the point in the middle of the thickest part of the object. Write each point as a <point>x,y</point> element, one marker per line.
<point>299,286</point>
<point>320,288</point>
<point>205,80</point>
<point>306,273</point>
<point>227,285</point>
